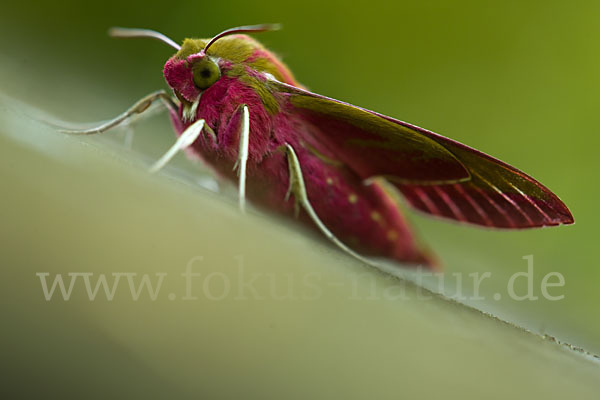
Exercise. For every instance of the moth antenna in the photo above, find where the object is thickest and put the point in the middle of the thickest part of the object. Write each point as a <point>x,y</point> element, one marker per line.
<point>243,29</point>
<point>142,33</point>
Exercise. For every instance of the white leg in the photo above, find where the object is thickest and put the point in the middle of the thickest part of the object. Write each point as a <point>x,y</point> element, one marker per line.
<point>298,189</point>
<point>139,107</point>
<point>242,160</point>
<point>186,139</point>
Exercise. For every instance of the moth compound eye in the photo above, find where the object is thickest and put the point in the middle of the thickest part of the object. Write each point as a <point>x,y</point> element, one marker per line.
<point>205,73</point>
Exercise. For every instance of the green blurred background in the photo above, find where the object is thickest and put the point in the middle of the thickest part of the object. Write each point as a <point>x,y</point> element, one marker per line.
<point>518,80</point>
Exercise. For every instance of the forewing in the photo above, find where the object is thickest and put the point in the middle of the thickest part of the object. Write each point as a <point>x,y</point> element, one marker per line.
<point>374,146</point>
<point>497,195</point>
<point>437,175</point>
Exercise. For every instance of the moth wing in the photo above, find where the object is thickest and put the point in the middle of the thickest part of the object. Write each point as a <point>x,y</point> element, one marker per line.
<point>371,145</point>
<point>436,175</point>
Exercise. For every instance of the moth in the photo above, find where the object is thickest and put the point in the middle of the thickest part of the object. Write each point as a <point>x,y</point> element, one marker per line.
<point>334,166</point>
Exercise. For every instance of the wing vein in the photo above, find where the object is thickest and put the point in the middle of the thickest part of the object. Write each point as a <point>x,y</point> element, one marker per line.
<point>426,201</point>
<point>451,204</point>
<point>542,212</point>
<point>505,197</point>
<point>475,205</point>
<point>501,210</point>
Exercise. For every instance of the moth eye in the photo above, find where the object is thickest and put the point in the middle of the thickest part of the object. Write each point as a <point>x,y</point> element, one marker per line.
<point>205,73</point>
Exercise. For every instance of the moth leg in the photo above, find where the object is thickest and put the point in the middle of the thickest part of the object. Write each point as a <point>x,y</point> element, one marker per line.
<point>242,160</point>
<point>139,107</point>
<point>298,189</point>
<point>184,140</point>
<point>129,124</point>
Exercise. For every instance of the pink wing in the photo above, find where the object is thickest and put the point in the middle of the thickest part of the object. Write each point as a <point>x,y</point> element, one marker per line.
<point>436,175</point>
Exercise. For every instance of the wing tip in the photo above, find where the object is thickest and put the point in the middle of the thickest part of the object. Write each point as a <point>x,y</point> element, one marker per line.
<point>566,217</point>
<point>561,215</point>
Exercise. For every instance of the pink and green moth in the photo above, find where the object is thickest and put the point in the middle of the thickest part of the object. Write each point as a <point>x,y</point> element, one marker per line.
<point>334,166</point>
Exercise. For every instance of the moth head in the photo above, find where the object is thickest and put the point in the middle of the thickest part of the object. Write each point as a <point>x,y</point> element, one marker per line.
<point>199,64</point>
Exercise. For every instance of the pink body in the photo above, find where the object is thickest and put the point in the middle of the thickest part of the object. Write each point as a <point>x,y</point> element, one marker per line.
<point>363,216</point>
<point>341,148</point>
